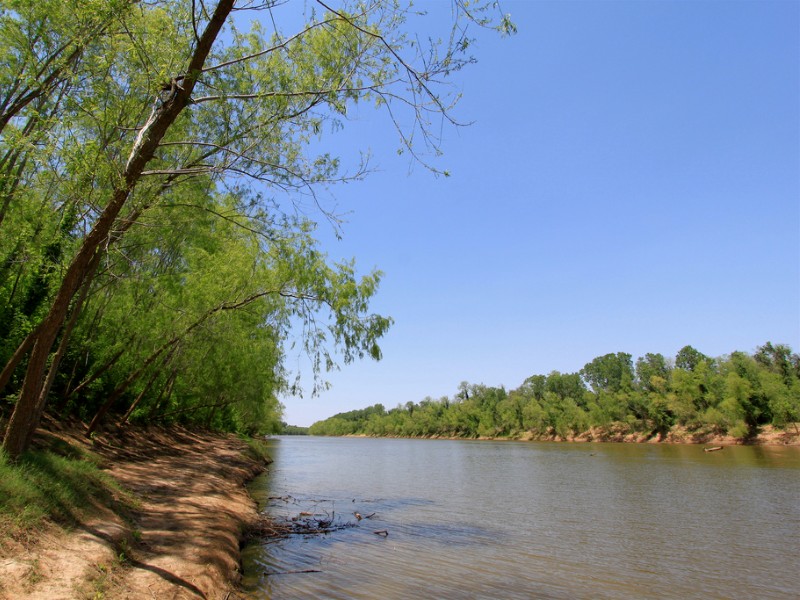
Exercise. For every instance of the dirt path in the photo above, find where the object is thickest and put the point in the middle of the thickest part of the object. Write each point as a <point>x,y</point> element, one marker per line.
<point>180,541</point>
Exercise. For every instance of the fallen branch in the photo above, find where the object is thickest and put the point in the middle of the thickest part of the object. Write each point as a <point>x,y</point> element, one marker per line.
<point>293,572</point>
<point>359,516</point>
<point>267,528</point>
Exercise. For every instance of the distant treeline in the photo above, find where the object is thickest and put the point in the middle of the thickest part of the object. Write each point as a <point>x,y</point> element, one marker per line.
<point>292,429</point>
<point>733,395</point>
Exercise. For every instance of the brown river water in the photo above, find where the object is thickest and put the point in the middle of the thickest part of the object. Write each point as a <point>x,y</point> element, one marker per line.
<point>477,519</point>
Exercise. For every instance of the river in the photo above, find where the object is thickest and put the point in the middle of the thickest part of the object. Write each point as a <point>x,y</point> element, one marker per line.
<point>478,519</point>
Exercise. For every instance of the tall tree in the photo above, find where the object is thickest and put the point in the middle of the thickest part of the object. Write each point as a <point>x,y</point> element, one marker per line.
<point>175,91</point>
<point>688,358</point>
<point>649,366</point>
<point>610,372</point>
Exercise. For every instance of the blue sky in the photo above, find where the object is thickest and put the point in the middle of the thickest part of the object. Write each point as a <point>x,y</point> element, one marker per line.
<point>631,182</point>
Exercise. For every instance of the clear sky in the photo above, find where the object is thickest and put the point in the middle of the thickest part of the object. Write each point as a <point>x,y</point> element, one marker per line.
<point>631,183</point>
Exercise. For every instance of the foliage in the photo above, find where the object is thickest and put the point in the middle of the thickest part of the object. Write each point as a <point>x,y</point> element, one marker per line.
<point>257,449</point>
<point>735,395</point>
<point>161,168</point>
<point>292,429</point>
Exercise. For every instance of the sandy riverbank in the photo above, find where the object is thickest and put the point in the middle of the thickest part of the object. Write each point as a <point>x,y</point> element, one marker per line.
<point>767,436</point>
<point>180,539</point>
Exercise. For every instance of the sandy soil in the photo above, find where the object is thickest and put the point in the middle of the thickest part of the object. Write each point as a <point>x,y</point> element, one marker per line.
<point>619,433</point>
<point>180,540</point>
<point>767,436</point>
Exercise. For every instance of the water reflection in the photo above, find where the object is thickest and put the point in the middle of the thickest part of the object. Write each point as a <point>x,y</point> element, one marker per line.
<point>528,520</point>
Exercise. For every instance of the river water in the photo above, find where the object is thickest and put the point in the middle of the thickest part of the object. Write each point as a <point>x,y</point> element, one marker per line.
<point>477,519</point>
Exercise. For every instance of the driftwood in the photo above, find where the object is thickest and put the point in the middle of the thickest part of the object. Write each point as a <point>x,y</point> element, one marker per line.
<point>286,498</point>
<point>270,529</point>
<point>307,522</point>
<point>712,448</point>
<point>292,572</point>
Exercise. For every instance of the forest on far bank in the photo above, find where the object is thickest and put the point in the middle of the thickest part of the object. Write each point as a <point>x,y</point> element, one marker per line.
<point>731,395</point>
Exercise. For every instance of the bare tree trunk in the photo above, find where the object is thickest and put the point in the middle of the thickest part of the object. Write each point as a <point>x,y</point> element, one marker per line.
<point>25,416</point>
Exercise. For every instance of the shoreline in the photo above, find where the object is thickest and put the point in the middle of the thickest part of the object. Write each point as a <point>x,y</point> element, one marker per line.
<point>179,537</point>
<point>184,510</point>
<point>769,436</point>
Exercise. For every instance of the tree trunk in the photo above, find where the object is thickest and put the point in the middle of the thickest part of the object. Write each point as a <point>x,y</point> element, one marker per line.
<point>62,348</point>
<point>25,416</point>
<point>14,361</point>
<point>165,346</point>
<point>121,388</point>
<point>110,363</point>
<point>163,397</point>
<point>148,385</point>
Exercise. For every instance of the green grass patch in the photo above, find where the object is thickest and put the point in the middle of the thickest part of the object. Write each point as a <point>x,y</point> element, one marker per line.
<point>257,449</point>
<point>56,484</point>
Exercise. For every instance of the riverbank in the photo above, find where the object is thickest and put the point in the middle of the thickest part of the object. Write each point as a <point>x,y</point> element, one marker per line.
<point>767,436</point>
<point>172,531</point>
<point>619,433</point>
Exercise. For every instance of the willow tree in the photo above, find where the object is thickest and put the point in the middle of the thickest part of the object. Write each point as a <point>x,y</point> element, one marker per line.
<point>137,99</point>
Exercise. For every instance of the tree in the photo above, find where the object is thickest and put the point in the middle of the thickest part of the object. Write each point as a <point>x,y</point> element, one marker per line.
<point>734,394</point>
<point>534,387</point>
<point>649,366</point>
<point>566,385</point>
<point>689,358</point>
<point>609,373</point>
<point>780,359</point>
<point>139,119</point>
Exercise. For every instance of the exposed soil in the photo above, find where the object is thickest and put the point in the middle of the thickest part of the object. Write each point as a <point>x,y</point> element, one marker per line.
<point>620,433</point>
<point>180,539</point>
<point>767,436</point>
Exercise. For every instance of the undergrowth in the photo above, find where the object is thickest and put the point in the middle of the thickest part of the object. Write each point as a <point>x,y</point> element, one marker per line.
<point>257,449</point>
<point>57,484</point>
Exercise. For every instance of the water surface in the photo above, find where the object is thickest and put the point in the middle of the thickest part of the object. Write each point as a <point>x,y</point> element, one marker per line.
<point>531,520</point>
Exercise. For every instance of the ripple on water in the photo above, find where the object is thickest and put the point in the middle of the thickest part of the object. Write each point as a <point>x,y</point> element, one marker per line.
<point>483,520</point>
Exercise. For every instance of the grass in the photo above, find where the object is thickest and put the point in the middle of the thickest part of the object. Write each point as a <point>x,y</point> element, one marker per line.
<point>257,449</point>
<point>56,484</point>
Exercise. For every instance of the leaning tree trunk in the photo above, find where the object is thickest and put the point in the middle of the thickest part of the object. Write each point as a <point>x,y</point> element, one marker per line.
<point>24,419</point>
<point>147,386</point>
<point>62,349</point>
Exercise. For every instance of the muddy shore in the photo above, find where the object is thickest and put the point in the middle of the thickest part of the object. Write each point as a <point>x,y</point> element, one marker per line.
<point>178,536</point>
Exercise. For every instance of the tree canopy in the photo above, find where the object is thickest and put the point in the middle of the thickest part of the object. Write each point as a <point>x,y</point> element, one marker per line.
<point>735,395</point>
<point>160,185</point>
